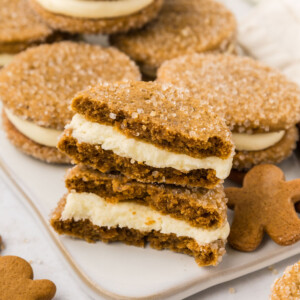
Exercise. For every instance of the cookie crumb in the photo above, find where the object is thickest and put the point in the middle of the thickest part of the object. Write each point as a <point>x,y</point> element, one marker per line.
<point>2,247</point>
<point>231,290</point>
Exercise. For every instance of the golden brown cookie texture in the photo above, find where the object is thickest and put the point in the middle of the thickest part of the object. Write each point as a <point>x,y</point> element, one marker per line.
<point>31,148</point>
<point>16,281</point>
<point>39,85</point>
<point>236,87</point>
<point>199,207</point>
<point>287,286</point>
<point>245,160</point>
<point>156,114</point>
<point>182,27</point>
<point>21,28</point>
<point>265,203</point>
<point>206,254</point>
<point>104,26</point>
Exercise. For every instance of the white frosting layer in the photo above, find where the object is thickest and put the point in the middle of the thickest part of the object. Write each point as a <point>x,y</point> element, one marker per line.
<point>256,142</point>
<point>6,59</point>
<point>43,136</point>
<point>94,9</point>
<point>82,206</point>
<point>111,139</point>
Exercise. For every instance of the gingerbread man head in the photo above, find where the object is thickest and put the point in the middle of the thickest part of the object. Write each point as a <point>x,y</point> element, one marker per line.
<point>265,203</point>
<point>16,281</point>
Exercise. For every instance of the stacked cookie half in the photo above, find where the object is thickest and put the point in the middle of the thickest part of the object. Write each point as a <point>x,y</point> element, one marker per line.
<point>150,169</point>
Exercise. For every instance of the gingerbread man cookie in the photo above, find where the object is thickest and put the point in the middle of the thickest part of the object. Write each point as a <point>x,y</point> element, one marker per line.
<point>265,203</point>
<point>16,281</point>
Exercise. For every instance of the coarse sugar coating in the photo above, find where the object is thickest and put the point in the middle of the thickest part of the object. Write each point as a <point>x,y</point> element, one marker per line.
<point>287,286</point>
<point>104,26</point>
<point>39,84</point>
<point>199,207</point>
<point>244,160</point>
<point>19,24</point>
<point>29,147</point>
<point>106,161</point>
<point>182,27</point>
<point>205,255</point>
<point>160,114</point>
<point>251,96</point>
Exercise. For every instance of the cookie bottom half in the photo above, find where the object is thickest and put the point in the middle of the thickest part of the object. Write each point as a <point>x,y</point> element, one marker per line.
<point>245,160</point>
<point>104,26</point>
<point>205,255</point>
<point>29,147</point>
<point>106,161</point>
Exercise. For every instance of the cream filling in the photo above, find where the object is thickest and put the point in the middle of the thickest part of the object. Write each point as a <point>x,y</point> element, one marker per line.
<point>83,206</point>
<point>6,59</point>
<point>111,139</point>
<point>256,142</point>
<point>94,9</point>
<point>43,136</point>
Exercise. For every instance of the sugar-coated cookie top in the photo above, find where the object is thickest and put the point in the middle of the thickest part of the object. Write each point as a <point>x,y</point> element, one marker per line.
<point>182,27</point>
<point>157,113</point>
<point>251,96</point>
<point>288,286</point>
<point>40,83</point>
<point>19,24</point>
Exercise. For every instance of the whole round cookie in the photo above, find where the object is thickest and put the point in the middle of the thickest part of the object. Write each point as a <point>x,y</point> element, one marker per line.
<point>182,27</point>
<point>287,286</point>
<point>261,106</point>
<point>96,16</point>
<point>20,28</point>
<point>37,87</point>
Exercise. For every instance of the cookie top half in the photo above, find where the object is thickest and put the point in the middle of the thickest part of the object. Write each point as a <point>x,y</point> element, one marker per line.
<point>252,97</point>
<point>18,24</point>
<point>160,114</point>
<point>39,84</point>
<point>183,26</point>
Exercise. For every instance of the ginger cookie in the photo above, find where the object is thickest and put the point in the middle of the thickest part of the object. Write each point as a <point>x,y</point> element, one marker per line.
<point>106,17</point>
<point>260,105</point>
<point>287,286</point>
<point>182,27</point>
<point>37,88</point>
<point>21,28</point>
<point>16,281</point>
<point>265,203</point>
<point>149,132</point>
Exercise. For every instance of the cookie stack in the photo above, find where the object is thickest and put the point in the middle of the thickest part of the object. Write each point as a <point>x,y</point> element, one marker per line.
<point>150,169</point>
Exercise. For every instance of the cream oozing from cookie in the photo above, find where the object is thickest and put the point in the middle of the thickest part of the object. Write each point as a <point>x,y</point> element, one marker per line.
<point>112,139</point>
<point>89,206</point>
<point>6,58</point>
<point>41,135</point>
<point>94,9</point>
<point>257,141</point>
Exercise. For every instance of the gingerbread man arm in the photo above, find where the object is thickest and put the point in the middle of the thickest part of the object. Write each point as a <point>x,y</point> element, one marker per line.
<point>41,289</point>
<point>233,195</point>
<point>294,187</point>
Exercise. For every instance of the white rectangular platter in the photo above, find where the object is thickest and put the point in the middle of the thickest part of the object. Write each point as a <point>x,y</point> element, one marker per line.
<point>122,272</point>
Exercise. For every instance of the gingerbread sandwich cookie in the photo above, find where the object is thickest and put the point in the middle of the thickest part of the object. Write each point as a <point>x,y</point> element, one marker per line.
<point>182,27</point>
<point>287,286</point>
<point>112,207</point>
<point>260,105</point>
<point>21,28</point>
<point>106,17</point>
<point>150,132</point>
<point>37,88</point>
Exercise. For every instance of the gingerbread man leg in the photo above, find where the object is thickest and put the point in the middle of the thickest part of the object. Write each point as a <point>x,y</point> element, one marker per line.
<point>245,235</point>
